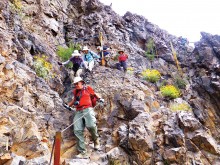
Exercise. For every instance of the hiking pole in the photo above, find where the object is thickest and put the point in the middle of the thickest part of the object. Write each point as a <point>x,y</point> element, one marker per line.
<point>102,54</point>
<point>52,152</point>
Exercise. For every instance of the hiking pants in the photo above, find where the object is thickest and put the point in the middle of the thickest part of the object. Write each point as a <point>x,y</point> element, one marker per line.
<point>122,64</point>
<point>90,64</point>
<point>88,121</point>
<point>75,74</point>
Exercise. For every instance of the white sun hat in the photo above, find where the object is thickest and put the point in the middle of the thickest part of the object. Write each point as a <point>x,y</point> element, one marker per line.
<point>76,53</point>
<point>77,79</point>
<point>99,47</point>
<point>85,48</point>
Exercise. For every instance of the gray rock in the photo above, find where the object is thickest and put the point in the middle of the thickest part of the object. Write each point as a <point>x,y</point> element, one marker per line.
<point>2,59</point>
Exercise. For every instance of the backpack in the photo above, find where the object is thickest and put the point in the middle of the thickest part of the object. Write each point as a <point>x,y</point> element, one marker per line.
<point>93,97</point>
<point>90,54</point>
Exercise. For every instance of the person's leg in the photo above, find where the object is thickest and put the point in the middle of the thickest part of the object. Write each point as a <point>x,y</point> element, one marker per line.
<point>79,72</point>
<point>72,75</point>
<point>90,122</point>
<point>78,131</point>
<point>124,65</point>
<point>91,65</point>
<point>118,65</point>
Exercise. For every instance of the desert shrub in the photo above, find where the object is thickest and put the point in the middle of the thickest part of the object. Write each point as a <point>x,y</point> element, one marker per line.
<point>42,67</point>
<point>65,52</point>
<point>130,70</point>
<point>151,75</point>
<point>115,58</point>
<point>16,6</point>
<point>180,82</point>
<point>170,91</point>
<point>180,107</point>
<point>151,49</point>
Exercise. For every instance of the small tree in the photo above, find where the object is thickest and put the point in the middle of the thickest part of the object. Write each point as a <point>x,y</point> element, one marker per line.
<point>151,49</point>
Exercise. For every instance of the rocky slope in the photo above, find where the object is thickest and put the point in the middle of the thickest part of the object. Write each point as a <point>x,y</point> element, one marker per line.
<point>136,125</point>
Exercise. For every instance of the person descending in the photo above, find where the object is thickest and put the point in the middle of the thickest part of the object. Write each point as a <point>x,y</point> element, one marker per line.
<point>89,58</point>
<point>106,52</point>
<point>122,58</point>
<point>84,116</point>
<point>78,64</point>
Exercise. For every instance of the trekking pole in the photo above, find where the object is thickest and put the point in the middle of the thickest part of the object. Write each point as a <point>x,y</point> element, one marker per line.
<point>101,42</point>
<point>52,152</point>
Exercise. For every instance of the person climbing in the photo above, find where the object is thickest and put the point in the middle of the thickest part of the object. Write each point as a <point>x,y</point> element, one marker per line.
<point>106,53</point>
<point>84,116</point>
<point>78,64</point>
<point>89,58</point>
<point>122,58</point>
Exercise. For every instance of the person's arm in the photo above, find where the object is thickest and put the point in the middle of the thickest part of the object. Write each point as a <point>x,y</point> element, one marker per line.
<point>73,99</point>
<point>71,102</point>
<point>94,55</point>
<point>66,62</point>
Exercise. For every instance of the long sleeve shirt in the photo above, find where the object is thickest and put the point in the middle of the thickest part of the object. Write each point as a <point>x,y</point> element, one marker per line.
<point>90,56</point>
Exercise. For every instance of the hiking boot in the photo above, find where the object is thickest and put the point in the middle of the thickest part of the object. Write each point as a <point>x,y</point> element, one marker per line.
<point>96,144</point>
<point>82,155</point>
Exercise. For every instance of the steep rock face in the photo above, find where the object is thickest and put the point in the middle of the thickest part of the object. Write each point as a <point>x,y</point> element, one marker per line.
<point>205,64</point>
<point>135,124</point>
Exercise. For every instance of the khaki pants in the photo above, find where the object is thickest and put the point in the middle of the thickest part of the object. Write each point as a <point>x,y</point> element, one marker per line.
<point>88,121</point>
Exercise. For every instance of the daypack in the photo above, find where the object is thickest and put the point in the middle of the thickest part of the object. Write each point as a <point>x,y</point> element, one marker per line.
<point>93,97</point>
<point>87,55</point>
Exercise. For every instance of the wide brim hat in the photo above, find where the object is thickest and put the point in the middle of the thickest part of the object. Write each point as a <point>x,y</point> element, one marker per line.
<point>121,51</point>
<point>78,79</point>
<point>76,53</point>
<point>85,48</point>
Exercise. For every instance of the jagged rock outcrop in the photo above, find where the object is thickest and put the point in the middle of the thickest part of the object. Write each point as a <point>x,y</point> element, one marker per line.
<point>135,125</point>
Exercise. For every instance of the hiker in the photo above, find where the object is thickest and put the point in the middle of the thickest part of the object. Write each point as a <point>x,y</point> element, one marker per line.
<point>83,104</point>
<point>106,53</point>
<point>122,60</point>
<point>89,58</point>
<point>78,64</point>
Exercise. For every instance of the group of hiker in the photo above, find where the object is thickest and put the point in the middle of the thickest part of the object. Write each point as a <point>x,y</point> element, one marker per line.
<point>85,98</point>
<point>87,60</point>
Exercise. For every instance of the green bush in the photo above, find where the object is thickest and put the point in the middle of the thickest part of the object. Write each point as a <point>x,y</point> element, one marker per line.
<point>170,91</point>
<point>65,52</point>
<point>151,49</point>
<point>180,82</point>
<point>151,75</point>
<point>180,107</point>
<point>42,67</point>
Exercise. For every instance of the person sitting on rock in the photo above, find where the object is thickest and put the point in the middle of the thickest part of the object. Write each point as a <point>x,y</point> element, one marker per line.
<point>89,58</point>
<point>84,116</point>
<point>106,53</point>
<point>122,58</point>
<point>78,64</point>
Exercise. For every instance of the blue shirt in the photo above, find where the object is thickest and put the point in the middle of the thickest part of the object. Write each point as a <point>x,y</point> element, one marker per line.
<point>90,56</point>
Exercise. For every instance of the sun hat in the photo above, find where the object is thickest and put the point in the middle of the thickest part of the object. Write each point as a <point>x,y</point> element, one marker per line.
<point>85,48</point>
<point>76,53</point>
<point>77,79</point>
<point>99,47</point>
<point>121,51</point>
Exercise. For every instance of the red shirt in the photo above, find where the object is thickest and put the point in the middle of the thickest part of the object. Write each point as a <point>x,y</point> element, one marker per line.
<point>122,57</point>
<point>85,98</point>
